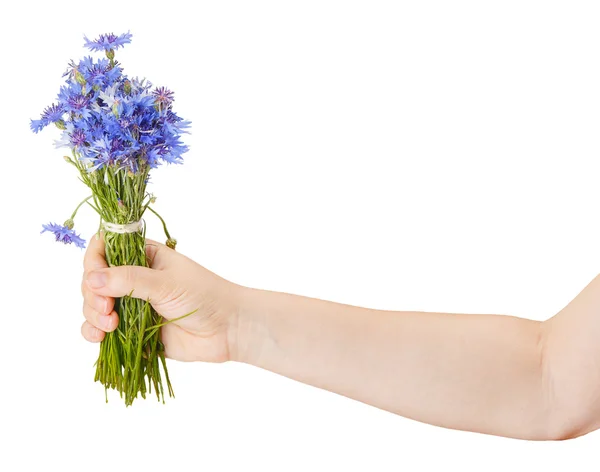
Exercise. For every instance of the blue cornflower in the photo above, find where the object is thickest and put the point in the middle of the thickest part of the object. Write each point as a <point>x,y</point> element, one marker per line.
<point>112,99</point>
<point>99,74</point>
<point>107,151</point>
<point>74,100</point>
<point>140,85</point>
<point>78,138</point>
<point>173,124</point>
<point>78,104</point>
<point>171,149</point>
<point>71,70</point>
<point>111,119</point>
<point>64,234</point>
<point>107,42</point>
<point>171,158</point>
<point>163,97</point>
<point>51,114</point>
<point>151,157</point>
<point>141,99</point>
<point>63,142</point>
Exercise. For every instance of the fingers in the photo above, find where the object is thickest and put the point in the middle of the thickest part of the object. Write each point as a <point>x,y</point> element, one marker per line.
<point>152,250</point>
<point>91,333</point>
<point>159,256</point>
<point>101,284</point>
<point>95,257</point>
<point>98,311</point>
<point>103,305</point>
<point>141,282</point>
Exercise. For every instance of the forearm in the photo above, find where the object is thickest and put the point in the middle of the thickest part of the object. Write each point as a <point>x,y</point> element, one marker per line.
<point>471,372</point>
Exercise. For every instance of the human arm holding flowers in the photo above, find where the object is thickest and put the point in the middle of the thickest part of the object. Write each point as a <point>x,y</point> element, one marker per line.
<point>493,374</point>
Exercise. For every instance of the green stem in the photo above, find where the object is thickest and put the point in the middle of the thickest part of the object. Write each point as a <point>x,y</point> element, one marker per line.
<point>96,210</point>
<point>79,206</point>
<point>162,221</point>
<point>156,327</point>
<point>130,356</point>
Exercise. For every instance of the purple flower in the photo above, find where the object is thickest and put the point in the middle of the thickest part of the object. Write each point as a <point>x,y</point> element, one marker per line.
<point>107,42</point>
<point>109,119</point>
<point>163,97</point>
<point>51,114</point>
<point>64,234</point>
<point>99,74</point>
<point>78,138</point>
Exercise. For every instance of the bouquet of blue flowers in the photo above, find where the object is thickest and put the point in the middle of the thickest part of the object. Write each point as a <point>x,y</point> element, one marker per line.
<point>118,129</point>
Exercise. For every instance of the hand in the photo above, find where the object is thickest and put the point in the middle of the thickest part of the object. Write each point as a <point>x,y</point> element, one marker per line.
<point>175,286</point>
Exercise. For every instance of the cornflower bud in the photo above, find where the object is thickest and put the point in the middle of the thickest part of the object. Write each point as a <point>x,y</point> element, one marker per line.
<point>171,242</point>
<point>79,78</point>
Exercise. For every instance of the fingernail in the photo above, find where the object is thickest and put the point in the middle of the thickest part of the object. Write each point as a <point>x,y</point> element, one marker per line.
<point>96,279</point>
<point>100,304</point>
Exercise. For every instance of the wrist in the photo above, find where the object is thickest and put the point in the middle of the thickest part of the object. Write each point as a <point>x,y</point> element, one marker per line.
<point>246,327</point>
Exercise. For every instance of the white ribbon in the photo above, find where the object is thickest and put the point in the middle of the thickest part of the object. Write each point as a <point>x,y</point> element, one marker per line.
<point>122,229</point>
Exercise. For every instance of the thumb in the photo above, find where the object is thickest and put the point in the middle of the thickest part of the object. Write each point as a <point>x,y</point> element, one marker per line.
<point>145,283</point>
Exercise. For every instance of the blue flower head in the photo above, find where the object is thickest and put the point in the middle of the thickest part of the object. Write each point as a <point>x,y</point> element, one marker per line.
<point>111,120</point>
<point>64,234</point>
<point>51,114</point>
<point>107,42</point>
<point>163,97</point>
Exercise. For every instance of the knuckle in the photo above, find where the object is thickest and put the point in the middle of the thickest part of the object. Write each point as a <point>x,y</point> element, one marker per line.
<point>89,332</point>
<point>151,252</point>
<point>90,314</point>
<point>171,294</point>
<point>85,310</point>
<point>166,290</point>
<point>86,296</point>
<point>130,276</point>
<point>95,334</point>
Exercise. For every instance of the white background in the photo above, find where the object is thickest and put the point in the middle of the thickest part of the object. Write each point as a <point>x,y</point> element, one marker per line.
<point>430,155</point>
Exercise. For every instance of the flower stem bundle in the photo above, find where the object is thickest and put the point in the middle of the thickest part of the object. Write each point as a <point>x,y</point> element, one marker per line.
<point>118,129</point>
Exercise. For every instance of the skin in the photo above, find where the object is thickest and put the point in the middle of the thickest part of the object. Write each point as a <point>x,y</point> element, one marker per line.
<point>492,374</point>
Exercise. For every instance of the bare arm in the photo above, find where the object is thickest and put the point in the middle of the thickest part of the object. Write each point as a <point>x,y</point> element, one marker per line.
<point>493,374</point>
<point>471,372</point>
